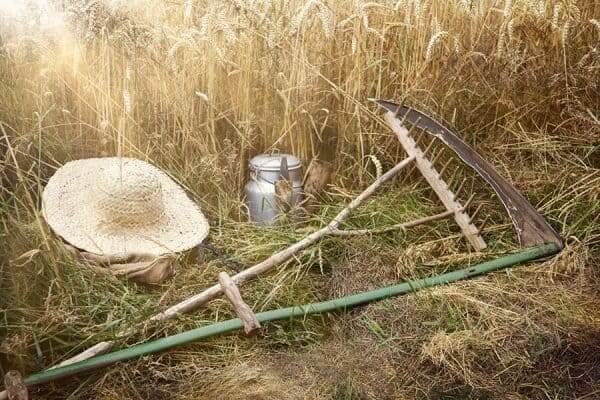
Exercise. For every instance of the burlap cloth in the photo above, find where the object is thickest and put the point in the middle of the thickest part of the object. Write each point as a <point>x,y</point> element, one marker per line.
<point>142,268</point>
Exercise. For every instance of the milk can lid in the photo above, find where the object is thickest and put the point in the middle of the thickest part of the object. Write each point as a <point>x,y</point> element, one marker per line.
<point>272,162</point>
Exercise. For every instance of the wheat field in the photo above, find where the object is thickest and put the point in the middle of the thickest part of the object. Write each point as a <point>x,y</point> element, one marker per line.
<point>198,87</point>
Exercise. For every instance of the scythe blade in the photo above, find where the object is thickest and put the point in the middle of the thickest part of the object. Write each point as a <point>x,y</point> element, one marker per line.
<point>532,229</point>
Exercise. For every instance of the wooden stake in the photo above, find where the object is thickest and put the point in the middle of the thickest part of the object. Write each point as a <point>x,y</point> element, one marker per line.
<point>444,167</point>
<point>460,187</point>
<point>476,211</point>
<point>435,157</point>
<point>243,311</point>
<point>430,146</point>
<point>401,226</point>
<point>98,348</point>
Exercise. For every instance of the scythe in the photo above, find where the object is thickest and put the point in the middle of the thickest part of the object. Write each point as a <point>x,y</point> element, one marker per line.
<point>532,229</point>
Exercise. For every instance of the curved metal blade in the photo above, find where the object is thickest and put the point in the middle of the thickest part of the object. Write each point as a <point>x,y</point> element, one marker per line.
<point>532,229</point>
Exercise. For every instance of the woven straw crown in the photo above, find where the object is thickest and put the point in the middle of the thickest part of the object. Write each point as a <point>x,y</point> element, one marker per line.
<point>121,205</point>
<point>129,200</point>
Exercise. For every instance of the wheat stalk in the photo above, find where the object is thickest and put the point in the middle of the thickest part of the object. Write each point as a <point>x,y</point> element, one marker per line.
<point>508,8</point>
<point>556,15</point>
<point>126,100</point>
<point>457,47</point>
<point>401,4</point>
<point>377,164</point>
<point>565,32</point>
<point>421,15</point>
<point>466,6</point>
<point>202,95</point>
<point>596,23</point>
<point>536,7</point>
<point>326,17</point>
<point>222,24</point>
<point>574,12</point>
<point>501,45</point>
<point>354,44</point>
<point>435,40</point>
<point>299,17</point>
<point>510,28</point>
<point>187,10</point>
<point>172,52</point>
<point>324,14</point>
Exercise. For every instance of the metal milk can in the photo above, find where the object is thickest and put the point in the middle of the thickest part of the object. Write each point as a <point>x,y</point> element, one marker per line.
<point>275,186</point>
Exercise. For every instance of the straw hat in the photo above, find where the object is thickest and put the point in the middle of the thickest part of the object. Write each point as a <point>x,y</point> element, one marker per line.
<point>121,205</point>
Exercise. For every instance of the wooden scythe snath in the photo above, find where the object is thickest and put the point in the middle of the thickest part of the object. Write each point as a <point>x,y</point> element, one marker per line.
<point>532,229</point>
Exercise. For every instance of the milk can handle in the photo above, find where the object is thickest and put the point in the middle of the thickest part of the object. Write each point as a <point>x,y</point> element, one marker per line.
<point>284,172</point>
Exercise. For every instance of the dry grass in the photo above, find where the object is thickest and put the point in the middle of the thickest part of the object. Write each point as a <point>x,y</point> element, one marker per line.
<point>199,86</point>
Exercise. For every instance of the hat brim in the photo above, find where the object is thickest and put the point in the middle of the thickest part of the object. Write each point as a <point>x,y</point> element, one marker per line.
<point>67,208</point>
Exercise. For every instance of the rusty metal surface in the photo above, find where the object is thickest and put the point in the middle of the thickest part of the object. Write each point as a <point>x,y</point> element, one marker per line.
<point>532,229</point>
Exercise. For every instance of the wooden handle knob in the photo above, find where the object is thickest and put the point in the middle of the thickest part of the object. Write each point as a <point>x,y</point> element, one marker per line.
<point>243,311</point>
